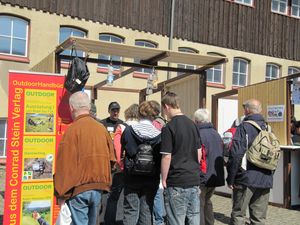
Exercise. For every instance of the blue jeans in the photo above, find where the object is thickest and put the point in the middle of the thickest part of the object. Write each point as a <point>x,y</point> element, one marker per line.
<point>159,209</point>
<point>84,207</point>
<point>182,205</point>
<point>138,205</point>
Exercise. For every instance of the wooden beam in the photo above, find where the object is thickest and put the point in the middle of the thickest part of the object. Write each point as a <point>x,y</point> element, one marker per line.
<point>128,71</point>
<point>150,61</point>
<point>156,58</point>
<point>202,90</point>
<point>131,64</point>
<point>119,89</point>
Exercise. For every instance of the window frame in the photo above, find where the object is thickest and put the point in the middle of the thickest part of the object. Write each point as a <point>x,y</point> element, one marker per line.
<point>143,72</point>
<point>104,67</point>
<point>239,73</point>
<point>15,57</point>
<point>213,69</point>
<point>293,68</point>
<point>4,138</point>
<point>186,66</point>
<point>213,83</point>
<point>288,10</point>
<point>277,66</point>
<point>242,3</point>
<point>73,28</point>
<point>291,10</point>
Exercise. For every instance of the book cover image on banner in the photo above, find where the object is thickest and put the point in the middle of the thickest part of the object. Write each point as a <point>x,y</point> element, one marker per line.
<point>40,110</point>
<point>36,203</point>
<point>38,158</point>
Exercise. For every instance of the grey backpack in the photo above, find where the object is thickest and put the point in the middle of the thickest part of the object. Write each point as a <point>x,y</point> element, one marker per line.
<point>264,151</point>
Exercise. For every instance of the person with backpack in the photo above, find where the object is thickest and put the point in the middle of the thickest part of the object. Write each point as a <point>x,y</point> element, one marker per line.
<point>212,174</point>
<point>131,118</point>
<point>250,184</point>
<point>141,143</point>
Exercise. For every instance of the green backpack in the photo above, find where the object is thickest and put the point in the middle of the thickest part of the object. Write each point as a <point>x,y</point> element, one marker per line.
<point>264,151</point>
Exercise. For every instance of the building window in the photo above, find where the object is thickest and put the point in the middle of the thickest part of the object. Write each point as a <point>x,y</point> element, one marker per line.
<point>295,9</point>
<point>3,138</point>
<point>280,6</point>
<point>272,71</point>
<point>214,74</point>
<point>244,2</point>
<point>293,70</point>
<point>146,44</point>
<point>114,39</point>
<point>65,33</point>
<point>186,66</point>
<point>240,72</point>
<point>13,36</point>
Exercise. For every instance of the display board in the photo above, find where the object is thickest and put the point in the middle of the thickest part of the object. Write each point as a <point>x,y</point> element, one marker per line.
<point>38,114</point>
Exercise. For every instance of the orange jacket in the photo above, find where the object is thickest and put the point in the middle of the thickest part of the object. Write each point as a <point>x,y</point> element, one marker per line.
<point>83,160</point>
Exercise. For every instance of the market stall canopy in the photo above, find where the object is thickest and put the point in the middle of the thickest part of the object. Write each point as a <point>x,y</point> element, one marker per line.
<point>136,52</point>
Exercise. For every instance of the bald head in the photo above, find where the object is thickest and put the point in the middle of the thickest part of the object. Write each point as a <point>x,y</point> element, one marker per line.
<point>252,106</point>
<point>79,103</point>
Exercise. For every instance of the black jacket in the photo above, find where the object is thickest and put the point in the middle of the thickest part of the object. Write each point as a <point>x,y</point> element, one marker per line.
<point>131,138</point>
<point>253,176</point>
<point>213,146</point>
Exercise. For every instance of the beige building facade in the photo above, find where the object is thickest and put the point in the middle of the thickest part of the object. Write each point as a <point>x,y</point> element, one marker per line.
<point>43,35</point>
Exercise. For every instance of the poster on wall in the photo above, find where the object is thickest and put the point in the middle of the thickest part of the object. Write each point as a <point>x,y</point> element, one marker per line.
<point>38,114</point>
<point>296,92</point>
<point>275,113</point>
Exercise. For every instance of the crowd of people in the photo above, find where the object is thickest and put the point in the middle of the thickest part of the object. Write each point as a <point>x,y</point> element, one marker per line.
<point>167,169</point>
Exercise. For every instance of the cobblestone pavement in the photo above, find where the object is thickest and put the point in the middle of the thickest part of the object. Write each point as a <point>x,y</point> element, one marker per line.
<point>276,215</point>
<point>222,209</point>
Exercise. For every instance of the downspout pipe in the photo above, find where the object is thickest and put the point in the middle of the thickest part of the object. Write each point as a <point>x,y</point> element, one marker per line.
<point>171,33</point>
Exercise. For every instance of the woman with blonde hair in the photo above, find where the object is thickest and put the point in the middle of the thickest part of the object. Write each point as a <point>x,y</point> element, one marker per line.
<point>141,143</point>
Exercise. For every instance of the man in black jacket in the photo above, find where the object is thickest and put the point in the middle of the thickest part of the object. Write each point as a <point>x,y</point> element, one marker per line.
<point>212,175</point>
<point>250,184</point>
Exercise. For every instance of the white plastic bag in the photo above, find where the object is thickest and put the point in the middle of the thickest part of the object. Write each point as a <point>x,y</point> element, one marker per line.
<point>64,217</point>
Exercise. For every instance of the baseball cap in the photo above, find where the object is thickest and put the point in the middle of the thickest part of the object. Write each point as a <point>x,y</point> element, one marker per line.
<point>113,105</point>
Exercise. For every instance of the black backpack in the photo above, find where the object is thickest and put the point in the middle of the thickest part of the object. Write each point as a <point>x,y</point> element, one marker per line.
<point>78,74</point>
<point>142,163</point>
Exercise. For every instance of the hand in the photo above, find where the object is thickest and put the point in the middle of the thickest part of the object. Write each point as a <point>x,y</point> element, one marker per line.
<point>60,202</point>
<point>36,215</point>
<point>164,184</point>
<point>230,186</point>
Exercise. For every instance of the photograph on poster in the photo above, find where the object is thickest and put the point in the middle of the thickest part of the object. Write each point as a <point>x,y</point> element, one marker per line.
<point>38,168</point>
<point>36,122</point>
<point>34,210</point>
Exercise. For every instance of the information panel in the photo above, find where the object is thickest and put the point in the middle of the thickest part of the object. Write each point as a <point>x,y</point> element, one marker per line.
<point>38,114</point>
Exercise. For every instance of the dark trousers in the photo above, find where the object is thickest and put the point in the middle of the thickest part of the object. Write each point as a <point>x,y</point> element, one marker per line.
<point>206,206</point>
<point>138,205</point>
<point>256,199</point>
<point>113,197</point>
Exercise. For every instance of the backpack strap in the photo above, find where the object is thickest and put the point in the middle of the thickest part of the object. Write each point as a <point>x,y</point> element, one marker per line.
<point>253,123</point>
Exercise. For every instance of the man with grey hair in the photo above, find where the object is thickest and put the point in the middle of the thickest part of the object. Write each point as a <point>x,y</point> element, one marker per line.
<point>212,168</point>
<point>83,163</point>
<point>250,184</point>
